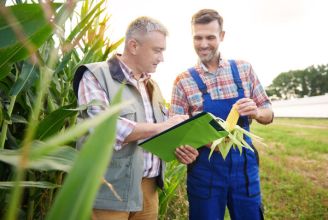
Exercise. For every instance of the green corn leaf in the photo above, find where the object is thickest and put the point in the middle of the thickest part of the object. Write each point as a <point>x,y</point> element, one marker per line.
<point>54,122</point>
<point>70,134</point>
<point>214,145</point>
<point>34,184</point>
<point>249,134</point>
<point>5,69</point>
<point>61,65</point>
<point>237,135</point>
<point>234,140</point>
<point>29,74</point>
<point>1,113</point>
<point>86,21</point>
<point>76,197</point>
<point>240,137</point>
<point>60,159</point>
<point>18,119</point>
<point>36,29</point>
<point>225,148</point>
<point>246,145</point>
<point>115,45</point>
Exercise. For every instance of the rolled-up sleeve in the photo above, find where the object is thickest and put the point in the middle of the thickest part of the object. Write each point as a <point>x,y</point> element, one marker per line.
<point>257,91</point>
<point>90,90</point>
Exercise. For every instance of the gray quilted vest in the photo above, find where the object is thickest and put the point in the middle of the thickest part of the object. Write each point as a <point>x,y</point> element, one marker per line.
<point>125,170</point>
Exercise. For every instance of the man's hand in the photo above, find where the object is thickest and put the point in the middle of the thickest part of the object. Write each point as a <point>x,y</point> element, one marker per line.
<point>247,107</point>
<point>176,119</point>
<point>145,130</point>
<point>186,154</point>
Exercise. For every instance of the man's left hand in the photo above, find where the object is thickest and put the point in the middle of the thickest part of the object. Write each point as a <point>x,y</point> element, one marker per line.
<point>186,154</point>
<point>247,107</point>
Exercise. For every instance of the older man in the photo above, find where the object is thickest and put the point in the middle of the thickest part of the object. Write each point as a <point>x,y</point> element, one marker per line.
<point>134,172</point>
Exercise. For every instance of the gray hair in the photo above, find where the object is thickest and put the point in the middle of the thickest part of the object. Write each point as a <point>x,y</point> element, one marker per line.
<point>143,25</point>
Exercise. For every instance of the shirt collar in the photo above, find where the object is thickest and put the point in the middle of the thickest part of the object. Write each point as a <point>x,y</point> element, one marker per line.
<point>204,68</point>
<point>128,72</point>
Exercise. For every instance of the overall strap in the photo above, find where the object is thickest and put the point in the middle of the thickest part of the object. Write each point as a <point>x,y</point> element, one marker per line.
<point>201,85</point>
<point>238,82</point>
<point>236,78</point>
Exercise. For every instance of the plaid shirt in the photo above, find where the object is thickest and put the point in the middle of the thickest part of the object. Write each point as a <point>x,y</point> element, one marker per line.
<point>90,89</point>
<point>187,99</point>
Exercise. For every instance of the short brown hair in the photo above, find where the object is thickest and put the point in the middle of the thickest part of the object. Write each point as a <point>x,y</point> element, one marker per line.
<point>206,16</point>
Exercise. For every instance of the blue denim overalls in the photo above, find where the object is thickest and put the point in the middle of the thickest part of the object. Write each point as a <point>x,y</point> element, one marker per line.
<point>233,182</point>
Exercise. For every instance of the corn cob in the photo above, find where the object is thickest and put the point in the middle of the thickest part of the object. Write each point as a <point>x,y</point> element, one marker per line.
<point>232,118</point>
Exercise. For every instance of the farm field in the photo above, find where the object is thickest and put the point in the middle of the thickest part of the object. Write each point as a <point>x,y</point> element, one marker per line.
<point>294,168</point>
<point>294,171</point>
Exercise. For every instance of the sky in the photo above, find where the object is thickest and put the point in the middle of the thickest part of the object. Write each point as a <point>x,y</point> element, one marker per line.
<point>275,36</point>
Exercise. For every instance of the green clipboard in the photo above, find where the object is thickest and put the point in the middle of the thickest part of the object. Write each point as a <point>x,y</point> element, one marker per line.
<point>197,131</point>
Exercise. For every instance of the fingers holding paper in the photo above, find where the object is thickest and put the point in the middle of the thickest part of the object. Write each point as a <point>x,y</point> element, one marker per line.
<point>186,154</point>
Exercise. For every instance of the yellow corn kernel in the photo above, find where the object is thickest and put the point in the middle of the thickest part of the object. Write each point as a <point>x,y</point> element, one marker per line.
<point>232,118</point>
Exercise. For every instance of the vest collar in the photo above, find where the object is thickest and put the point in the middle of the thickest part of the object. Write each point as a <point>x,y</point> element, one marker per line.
<point>115,70</point>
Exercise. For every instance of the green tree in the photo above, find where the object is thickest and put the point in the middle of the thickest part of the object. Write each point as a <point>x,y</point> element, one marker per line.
<point>311,81</point>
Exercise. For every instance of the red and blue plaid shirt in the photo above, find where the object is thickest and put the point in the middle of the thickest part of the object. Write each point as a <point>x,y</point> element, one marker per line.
<point>187,98</point>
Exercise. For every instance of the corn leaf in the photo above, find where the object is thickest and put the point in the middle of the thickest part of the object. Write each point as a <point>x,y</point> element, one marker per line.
<point>214,145</point>
<point>60,159</point>
<point>75,199</point>
<point>36,30</point>
<point>249,134</point>
<point>54,122</point>
<point>225,148</point>
<point>35,184</point>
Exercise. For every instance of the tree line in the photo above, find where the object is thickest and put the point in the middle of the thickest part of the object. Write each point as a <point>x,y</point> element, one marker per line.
<point>311,81</point>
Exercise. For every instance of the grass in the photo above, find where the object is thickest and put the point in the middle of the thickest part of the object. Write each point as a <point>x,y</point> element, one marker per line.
<point>293,169</point>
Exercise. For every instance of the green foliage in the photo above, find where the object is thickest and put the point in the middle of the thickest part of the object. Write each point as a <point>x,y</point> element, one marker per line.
<point>311,81</point>
<point>76,197</point>
<point>27,20</point>
<point>39,55</point>
<point>59,159</point>
<point>174,178</point>
<point>54,122</point>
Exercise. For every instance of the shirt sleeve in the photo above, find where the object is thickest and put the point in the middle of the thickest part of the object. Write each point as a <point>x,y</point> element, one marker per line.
<point>257,91</point>
<point>89,90</point>
<point>179,102</point>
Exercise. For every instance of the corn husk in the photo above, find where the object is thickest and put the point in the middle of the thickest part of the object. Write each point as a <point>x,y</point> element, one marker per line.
<point>235,137</point>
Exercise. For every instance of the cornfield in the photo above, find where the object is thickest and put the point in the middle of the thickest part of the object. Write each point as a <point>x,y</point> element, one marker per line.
<point>41,45</point>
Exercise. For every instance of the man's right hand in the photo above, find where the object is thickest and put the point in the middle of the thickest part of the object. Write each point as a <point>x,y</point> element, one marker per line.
<point>146,130</point>
<point>176,119</point>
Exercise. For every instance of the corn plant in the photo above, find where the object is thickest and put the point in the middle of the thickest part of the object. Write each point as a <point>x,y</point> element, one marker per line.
<point>174,178</point>
<point>41,45</point>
